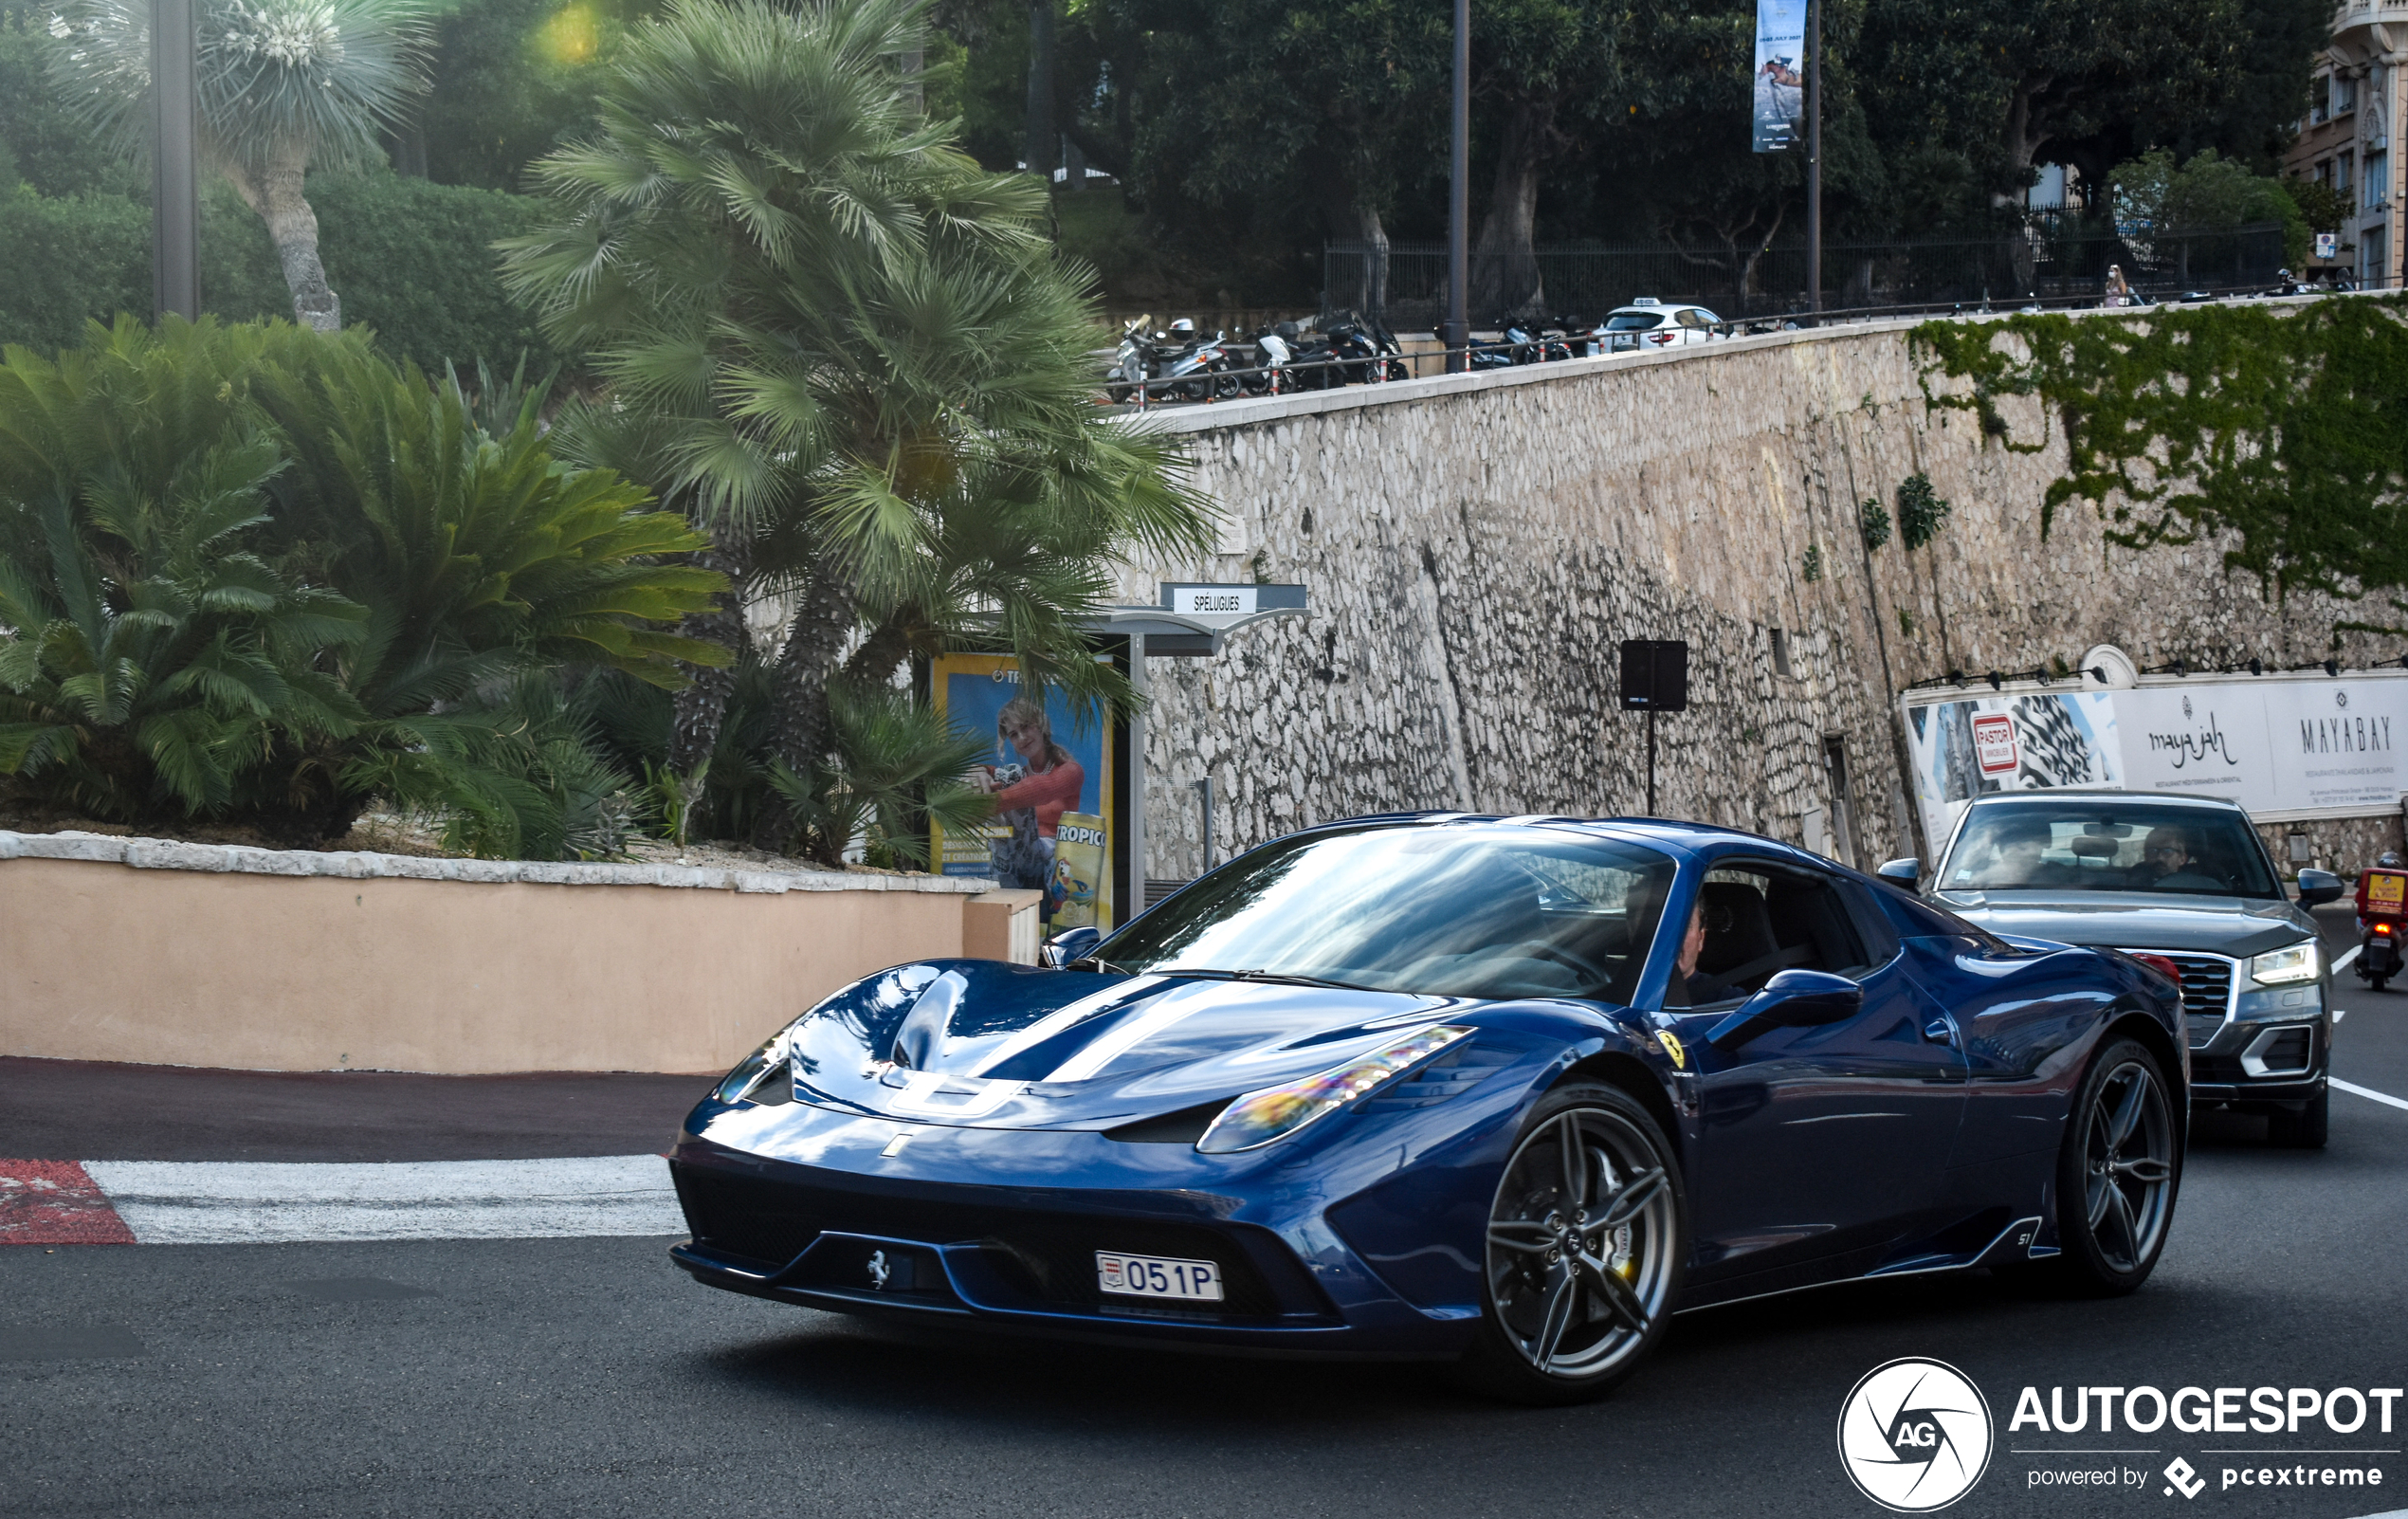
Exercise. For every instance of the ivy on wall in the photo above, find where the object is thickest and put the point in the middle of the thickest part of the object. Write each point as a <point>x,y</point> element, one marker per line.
<point>2284,426</point>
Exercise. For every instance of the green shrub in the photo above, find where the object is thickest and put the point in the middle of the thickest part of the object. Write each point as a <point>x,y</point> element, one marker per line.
<point>412,258</point>
<point>67,259</point>
<point>259,575</point>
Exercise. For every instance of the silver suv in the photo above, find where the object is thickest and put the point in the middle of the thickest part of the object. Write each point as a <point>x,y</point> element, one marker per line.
<point>2184,885</point>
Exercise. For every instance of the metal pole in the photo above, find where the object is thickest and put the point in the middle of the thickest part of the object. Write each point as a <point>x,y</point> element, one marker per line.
<point>176,180</point>
<point>1204,790</point>
<point>1650,761</point>
<point>1814,155</point>
<point>1133,825</point>
<point>1457,334</point>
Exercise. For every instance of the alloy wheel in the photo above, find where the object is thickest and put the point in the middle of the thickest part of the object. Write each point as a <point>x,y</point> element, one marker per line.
<point>1579,1256</point>
<point>2128,1166</point>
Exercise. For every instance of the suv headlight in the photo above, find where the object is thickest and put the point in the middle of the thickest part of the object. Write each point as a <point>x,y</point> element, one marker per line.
<point>2287,965</point>
<point>1275,1112</point>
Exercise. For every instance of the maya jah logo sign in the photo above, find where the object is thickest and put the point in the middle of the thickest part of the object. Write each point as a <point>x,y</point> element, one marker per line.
<point>1993,743</point>
<point>1915,1434</point>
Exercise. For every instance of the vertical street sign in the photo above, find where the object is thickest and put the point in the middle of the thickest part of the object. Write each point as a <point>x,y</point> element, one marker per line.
<point>176,180</point>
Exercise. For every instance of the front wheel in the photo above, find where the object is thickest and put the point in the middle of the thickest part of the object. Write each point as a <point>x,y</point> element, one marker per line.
<point>2118,1173</point>
<point>1586,1240</point>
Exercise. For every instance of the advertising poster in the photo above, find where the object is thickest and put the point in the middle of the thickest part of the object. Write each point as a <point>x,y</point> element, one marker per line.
<point>2281,748</point>
<point>1965,747</point>
<point>1052,780</point>
<point>1780,92</point>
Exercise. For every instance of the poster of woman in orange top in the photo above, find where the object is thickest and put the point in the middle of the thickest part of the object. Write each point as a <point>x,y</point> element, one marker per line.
<point>1048,775</point>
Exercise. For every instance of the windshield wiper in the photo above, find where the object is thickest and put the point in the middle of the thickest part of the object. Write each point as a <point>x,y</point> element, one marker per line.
<point>1268,976</point>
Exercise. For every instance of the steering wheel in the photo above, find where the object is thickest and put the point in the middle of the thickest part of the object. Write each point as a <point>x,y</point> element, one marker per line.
<point>1591,975</point>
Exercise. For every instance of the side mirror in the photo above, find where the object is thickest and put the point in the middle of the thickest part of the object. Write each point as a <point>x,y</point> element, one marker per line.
<point>2318,886</point>
<point>1069,944</point>
<point>1794,998</point>
<point>1907,872</point>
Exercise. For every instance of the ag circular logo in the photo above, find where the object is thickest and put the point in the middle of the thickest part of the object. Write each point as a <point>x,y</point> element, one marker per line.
<point>1915,1434</point>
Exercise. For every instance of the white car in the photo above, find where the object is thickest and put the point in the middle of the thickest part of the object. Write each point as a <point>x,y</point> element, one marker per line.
<point>1647,324</point>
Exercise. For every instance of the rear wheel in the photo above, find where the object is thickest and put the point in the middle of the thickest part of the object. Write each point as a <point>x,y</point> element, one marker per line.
<point>2117,1174</point>
<point>2304,1128</point>
<point>2377,981</point>
<point>1586,1238</point>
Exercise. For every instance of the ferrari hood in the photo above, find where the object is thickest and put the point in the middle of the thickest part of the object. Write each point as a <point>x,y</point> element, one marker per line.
<point>993,1046</point>
<point>2131,920</point>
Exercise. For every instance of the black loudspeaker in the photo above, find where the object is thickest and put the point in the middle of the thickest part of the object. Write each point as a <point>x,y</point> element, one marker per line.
<point>1655,676</point>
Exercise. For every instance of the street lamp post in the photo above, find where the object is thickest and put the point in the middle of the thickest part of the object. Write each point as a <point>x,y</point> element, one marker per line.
<point>1814,156</point>
<point>176,203</point>
<point>1457,334</point>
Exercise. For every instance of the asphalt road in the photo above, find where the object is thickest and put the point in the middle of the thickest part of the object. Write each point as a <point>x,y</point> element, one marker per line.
<point>590,1378</point>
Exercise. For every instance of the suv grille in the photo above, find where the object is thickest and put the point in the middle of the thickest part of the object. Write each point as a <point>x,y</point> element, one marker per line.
<point>2207,991</point>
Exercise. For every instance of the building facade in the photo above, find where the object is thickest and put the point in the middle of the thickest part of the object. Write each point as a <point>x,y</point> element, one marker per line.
<point>2345,140</point>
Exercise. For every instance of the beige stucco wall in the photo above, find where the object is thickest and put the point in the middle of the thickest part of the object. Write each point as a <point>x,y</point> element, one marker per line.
<point>105,962</point>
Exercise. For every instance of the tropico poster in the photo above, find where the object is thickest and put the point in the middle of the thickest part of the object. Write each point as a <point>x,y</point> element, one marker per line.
<point>1050,773</point>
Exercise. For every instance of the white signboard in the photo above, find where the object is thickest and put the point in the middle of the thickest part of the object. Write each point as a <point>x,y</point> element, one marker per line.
<point>1213,600</point>
<point>2282,747</point>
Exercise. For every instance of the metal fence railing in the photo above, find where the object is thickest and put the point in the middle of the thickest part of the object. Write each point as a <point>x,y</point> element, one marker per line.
<point>1405,284</point>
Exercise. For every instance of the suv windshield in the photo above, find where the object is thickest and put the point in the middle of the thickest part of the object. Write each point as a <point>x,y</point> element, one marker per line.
<point>2109,846</point>
<point>1450,911</point>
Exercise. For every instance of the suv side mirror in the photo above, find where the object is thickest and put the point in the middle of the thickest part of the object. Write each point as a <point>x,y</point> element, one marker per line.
<point>2318,886</point>
<point>1069,944</point>
<point>1907,872</point>
<point>1794,998</point>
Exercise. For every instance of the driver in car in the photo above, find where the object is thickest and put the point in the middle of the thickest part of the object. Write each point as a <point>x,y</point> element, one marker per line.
<point>1690,986</point>
<point>2165,864</point>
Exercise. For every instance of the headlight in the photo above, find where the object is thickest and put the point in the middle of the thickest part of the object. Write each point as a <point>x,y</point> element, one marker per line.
<point>753,1070</point>
<point>1275,1112</point>
<point>2281,967</point>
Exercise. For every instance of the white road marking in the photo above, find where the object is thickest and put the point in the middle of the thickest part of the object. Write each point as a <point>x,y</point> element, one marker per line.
<point>2362,1091</point>
<point>215,1202</point>
<point>2342,963</point>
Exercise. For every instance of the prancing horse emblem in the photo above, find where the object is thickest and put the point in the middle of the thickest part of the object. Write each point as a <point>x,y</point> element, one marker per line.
<point>879,1271</point>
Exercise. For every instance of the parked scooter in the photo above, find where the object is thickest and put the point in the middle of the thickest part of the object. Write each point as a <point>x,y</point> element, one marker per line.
<point>1271,358</point>
<point>1132,364</point>
<point>1202,372</point>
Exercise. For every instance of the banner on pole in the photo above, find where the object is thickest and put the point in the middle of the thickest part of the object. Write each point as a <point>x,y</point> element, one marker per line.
<point>1780,89</point>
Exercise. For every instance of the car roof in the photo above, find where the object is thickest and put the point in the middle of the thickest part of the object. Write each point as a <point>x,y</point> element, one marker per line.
<point>1660,305</point>
<point>1675,833</point>
<point>2034,798</point>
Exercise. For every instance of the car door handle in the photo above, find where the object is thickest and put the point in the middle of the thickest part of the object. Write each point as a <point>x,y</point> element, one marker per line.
<point>1940,1031</point>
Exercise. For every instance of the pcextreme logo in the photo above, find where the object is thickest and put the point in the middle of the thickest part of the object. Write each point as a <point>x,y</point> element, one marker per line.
<point>1915,1434</point>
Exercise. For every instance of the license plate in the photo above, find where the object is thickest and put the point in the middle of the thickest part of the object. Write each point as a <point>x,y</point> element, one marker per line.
<point>1157,1276</point>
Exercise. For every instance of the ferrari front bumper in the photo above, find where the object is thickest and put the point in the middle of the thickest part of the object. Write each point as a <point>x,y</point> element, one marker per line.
<point>1013,1248</point>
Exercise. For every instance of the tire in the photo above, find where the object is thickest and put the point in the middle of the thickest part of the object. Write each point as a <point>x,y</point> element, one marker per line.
<point>2376,982</point>
<point>1572,1300</point>
<point>2304,1129</point>
<point>2119,1172</point>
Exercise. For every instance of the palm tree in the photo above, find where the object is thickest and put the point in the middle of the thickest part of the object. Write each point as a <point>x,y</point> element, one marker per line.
<point>849,352</point>
<point>285,85</point>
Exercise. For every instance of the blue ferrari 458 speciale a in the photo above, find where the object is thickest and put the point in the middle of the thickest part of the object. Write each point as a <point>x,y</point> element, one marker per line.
<point>1506,1090</point>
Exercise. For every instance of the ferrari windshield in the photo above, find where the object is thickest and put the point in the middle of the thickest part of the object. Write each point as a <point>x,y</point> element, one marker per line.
<point>1456,910</point>
<point>2103,845</point>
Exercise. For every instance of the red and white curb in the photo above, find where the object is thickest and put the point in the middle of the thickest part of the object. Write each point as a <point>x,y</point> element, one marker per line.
<point>222,1202</point>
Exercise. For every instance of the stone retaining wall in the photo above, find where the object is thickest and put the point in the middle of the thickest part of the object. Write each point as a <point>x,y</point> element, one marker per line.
<point>1476,546</point>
